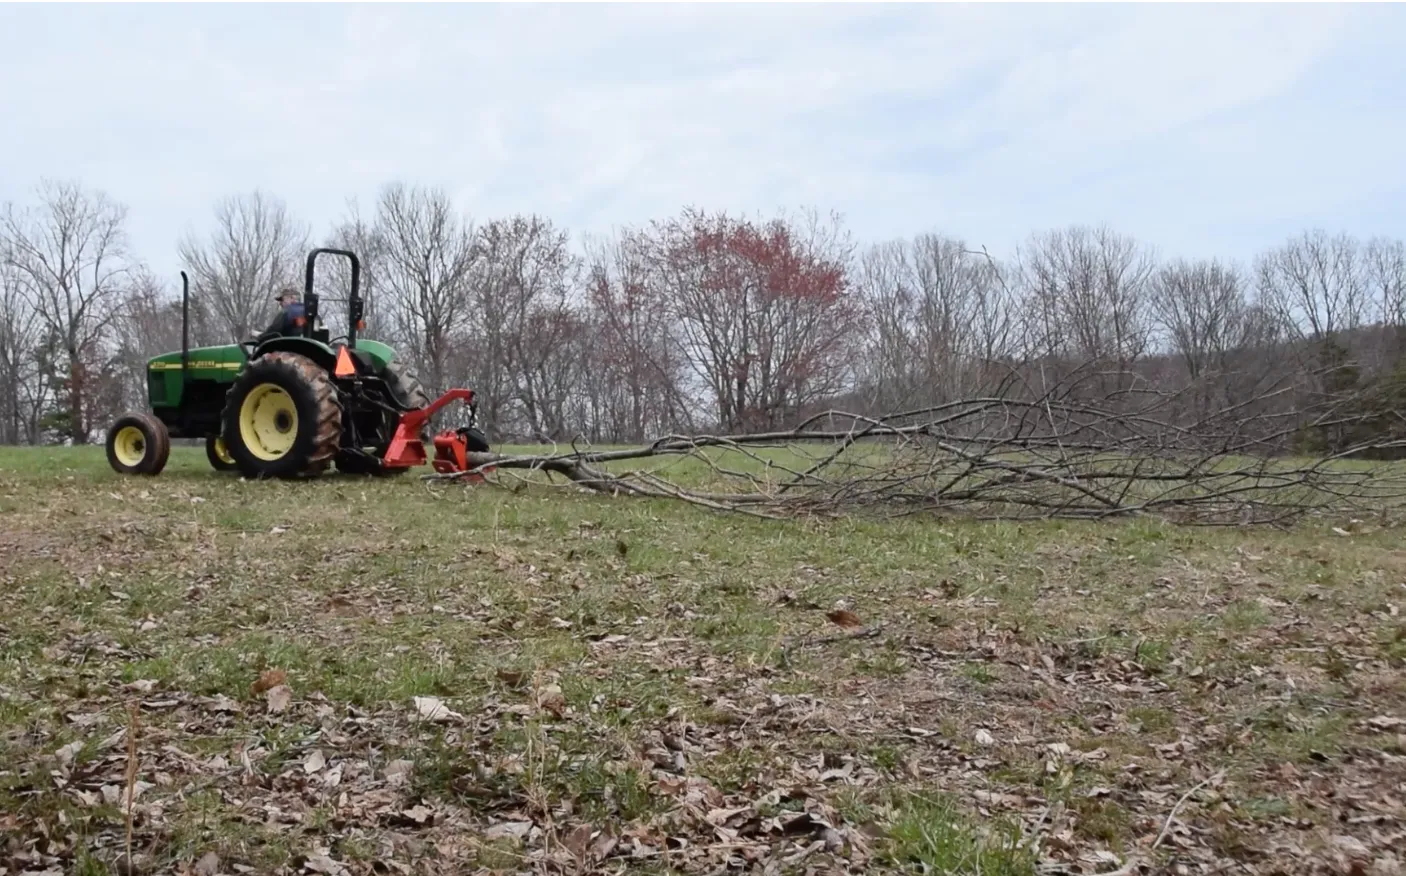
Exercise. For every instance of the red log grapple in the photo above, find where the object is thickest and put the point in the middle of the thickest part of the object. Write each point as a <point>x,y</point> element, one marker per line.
<point>451,446</point>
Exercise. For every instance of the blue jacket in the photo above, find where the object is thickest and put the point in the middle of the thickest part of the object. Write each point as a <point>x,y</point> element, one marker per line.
<point>284,323</point>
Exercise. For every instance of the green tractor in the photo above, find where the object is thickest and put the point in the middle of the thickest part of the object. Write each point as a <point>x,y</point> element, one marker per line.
<point>289,406</point>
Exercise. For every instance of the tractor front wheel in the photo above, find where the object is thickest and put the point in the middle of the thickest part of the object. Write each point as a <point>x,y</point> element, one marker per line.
<point>138,443</point>
<point>218,454</point>
<point>281,418</point>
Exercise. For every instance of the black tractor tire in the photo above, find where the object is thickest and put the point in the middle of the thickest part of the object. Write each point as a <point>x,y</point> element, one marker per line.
<point>300,434</point>
<point>409,391</point>
<point>218,454</point>
<point>138,443</point>
<point>405,385</point>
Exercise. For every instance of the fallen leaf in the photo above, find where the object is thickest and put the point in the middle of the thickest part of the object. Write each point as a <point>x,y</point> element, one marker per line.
<point>419,814</point>
<point>984,738</point>
<point>397,771</point>
<point>323,864</point>
<point>222,703</point>
<point>844,617</point>
<point>578,841</point>
<point>551,700</point>
<point>434,709</point>
<point>604,845</point>
<point>315,761</point>
<point>208,865</point>
<point>515,829</point>
<point>268,679</point>
<point>278,698</point>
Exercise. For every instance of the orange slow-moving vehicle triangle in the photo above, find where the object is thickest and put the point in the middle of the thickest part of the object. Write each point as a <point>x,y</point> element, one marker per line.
<point>344,368</point>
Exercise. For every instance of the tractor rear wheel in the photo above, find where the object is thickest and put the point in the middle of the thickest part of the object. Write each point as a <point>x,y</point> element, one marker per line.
<point>406,387</point>
<point>409,391</point>
<point>218,454</point>
<point>138,443</point>
<point>281,418</point>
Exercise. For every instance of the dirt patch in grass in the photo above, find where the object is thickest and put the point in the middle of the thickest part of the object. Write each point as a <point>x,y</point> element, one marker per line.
<point>366,677</point>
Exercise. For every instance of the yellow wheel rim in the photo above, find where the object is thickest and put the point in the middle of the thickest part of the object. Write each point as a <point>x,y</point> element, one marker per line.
<point>129,445</point>
<point>268,421</point>
<point>222,452</point>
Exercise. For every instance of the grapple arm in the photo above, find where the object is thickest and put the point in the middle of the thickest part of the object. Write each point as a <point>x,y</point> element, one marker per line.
<point>451,446</point>
<point>406,448</point>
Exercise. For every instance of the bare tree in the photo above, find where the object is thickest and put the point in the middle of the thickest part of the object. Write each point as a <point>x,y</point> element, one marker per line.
<point>148,324</point>
<point>939,317</point>
<point>636,371</point>
<point>421,275</point>
<point>1086,296</point>
<point>255,248</point>
<point>1316,287</point>
<point>1315,283</point>
<point>1386,280</point>
<point>22,384</point>
<point>69,257</point>
<point>522,288</point>
<point>554,353</point>
<point>1227,346</point>
<point>1203,310</point>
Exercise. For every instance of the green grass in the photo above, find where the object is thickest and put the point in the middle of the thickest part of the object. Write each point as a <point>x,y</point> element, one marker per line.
<point>659,683</point>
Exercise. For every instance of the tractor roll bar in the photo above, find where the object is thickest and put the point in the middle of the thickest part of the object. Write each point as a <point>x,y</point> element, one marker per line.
<point>354,308</point>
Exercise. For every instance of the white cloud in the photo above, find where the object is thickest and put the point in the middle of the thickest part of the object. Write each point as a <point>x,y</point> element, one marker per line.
<point>1179,123</point>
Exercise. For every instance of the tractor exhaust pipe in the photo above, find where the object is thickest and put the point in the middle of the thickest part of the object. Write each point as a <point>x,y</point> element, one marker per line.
<point>185,335</point>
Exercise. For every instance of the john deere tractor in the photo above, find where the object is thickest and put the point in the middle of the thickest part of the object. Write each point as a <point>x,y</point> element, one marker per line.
<point>289,406</point>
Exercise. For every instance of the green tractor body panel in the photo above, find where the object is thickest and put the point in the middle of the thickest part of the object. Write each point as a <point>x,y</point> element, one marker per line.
<point>207,364</point>
<point>381,354</point>
<point>190,408</point>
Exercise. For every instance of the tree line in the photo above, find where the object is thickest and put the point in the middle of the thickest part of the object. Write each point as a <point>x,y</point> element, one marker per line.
<point>715,322</point>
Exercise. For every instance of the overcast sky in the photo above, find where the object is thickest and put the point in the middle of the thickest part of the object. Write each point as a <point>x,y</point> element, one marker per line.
<point>1207,129</point>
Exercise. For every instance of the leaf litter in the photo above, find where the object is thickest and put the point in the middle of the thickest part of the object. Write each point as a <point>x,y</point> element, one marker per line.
<point>683,741</point>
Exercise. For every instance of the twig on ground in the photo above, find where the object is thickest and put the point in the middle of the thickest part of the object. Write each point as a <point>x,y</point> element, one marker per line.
<point>133,717</point>
<point>1171,816</point>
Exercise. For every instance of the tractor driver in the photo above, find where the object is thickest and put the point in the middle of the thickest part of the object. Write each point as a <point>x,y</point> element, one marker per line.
<point>286,323</point>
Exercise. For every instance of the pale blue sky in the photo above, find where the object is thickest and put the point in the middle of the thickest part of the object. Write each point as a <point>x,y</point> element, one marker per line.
<point>1212,129</point>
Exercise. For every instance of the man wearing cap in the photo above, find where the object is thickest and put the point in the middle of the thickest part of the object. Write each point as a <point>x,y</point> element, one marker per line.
<point>289,319</point>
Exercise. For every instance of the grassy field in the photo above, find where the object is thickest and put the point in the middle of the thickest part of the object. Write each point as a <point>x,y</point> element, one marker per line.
<point>356,676</point>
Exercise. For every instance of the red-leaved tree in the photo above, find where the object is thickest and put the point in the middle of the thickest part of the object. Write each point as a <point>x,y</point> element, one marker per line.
<point>764,315</point>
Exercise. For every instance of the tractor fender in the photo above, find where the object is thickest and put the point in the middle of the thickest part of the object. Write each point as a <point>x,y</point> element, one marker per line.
<point>319,353</point>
